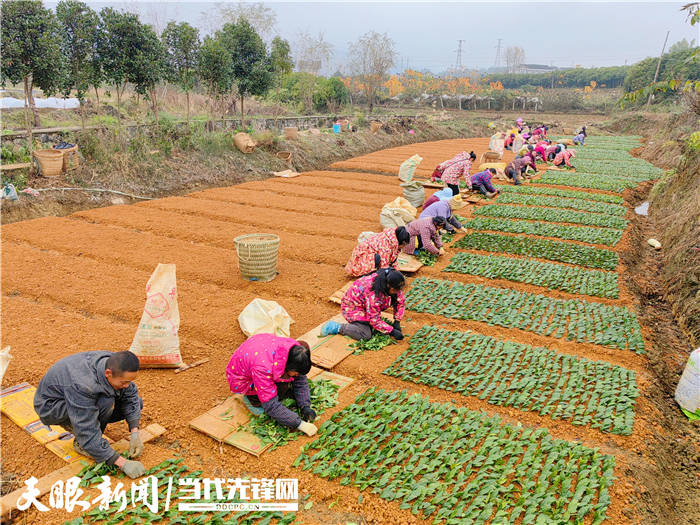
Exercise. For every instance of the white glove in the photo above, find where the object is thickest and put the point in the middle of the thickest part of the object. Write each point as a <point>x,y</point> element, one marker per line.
<point>307,428</point>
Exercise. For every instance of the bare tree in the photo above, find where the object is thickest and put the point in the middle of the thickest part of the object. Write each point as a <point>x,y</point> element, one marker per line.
<point>312,54</point>
<point>515,57</point>
<point>262,18</point>
<point>371,57</point>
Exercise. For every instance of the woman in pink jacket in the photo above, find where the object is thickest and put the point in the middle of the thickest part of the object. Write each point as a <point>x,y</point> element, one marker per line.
<point>379,251</point>
<point>266,369</point>
<point>457,167</point>
<point>364,302</point>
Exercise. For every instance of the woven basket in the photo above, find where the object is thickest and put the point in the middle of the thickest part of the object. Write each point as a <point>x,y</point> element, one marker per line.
<point>375,126</point>
<point>71,158</point>
<point>50,162</point>
<point>257,255</point>
<point>285,155</point>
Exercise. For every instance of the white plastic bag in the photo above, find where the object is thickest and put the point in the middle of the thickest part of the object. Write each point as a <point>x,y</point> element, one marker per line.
<point>5,358</point>
<point>408,168</point>
<point>265,317</point>
<point>688,390</point>
<point>156,342</point>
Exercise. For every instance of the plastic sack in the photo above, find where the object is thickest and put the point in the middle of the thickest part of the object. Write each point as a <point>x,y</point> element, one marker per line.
<point>414,192</point>
<point>394,217</point>
<point>9,192</point>
<point>400,202</point>
<point>5,358</point>
<point>244,142</point>
<point>408,168</point>
<point>156,342</point>
<point>688,390</point>
<point>364,236</point>
<point>264,317</point>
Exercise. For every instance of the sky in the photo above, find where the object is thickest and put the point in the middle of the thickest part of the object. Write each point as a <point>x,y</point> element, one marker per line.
<point>426,34</point>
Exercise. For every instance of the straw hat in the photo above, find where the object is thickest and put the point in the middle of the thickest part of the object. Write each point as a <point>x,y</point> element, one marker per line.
<point>456,203</point>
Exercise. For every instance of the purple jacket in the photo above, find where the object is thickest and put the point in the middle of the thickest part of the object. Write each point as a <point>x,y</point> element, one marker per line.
<point>483,177</point>
<point>441,209</point>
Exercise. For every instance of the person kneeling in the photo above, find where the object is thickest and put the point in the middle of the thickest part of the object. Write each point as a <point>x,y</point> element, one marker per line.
<point>363,303</point>
<point>266,369</point>
<point>85,392</point>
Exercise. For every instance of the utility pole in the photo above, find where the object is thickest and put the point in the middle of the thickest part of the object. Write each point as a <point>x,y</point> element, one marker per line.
<point>458,67</point>
<point>658,66</point>
<point>498,53</point>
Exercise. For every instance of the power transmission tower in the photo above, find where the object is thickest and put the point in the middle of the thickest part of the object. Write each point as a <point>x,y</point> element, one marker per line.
<point>498,53</point>
<point>459,66</point>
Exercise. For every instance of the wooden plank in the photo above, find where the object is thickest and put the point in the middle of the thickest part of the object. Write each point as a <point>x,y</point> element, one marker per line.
<point>8,503</point>
<point>408,263</point>
<point>191,365</point>
<point>337,296</point>
<point>342,381</point>
<point>331,351</point>
<point>16,166</point>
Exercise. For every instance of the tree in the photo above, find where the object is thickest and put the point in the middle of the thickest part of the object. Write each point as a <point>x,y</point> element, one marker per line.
<point>312,53</point>
<point>182,47</point>
<point>371,57</point>
<point>31,51</point>
<point>281,63</point>
<point>148,67</point>
<point>250,63</point>
<point>262,18</point>
<point>682,45</point>
<point>120,33</point>
<point>214,69</point>
<point>515,57</point>
<point>80,30</point>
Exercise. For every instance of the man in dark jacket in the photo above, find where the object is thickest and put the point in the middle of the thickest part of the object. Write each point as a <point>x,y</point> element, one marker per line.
<point>86,391</point>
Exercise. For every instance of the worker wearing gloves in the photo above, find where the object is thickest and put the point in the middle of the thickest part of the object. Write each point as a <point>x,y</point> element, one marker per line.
<point>445,209</point>
<point>379,251</point>
<point>426,232</point>
<point>481,182</point>
<point>364,302</point>
<point>266,369</point>
<point>457,167</point>
<point>83,393</point>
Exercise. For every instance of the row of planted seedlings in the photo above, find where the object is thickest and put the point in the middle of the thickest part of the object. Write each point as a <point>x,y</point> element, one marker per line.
<point>457,466</point>
<point>454,465</point>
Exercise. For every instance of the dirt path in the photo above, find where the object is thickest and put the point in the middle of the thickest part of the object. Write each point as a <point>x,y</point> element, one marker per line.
<point>77,283</point>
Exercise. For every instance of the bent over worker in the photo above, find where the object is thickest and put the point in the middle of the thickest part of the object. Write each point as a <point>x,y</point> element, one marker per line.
<point>445,209</point>
<point>266,369</point>
<point>378,251</point>
<point>364,302</point>
<point>85,392</point>
<point>426,232</point>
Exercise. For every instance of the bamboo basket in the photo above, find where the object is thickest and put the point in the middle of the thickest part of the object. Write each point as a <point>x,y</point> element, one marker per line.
<point>375,126</point>
<point>291,133</point>
<point>50,162</point>
<point>71,158</point>
<point>257,256</point>
<point>285,155</point>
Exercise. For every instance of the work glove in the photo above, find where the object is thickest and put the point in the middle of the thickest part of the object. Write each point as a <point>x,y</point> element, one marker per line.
<point>308,414</point>
<point>397,325</point>
<point>307,428</point>
<point>133,469</point>
<point>135,445</point>
<point>396,334</point>
<point>442,251</point>
<point>377,261</point>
